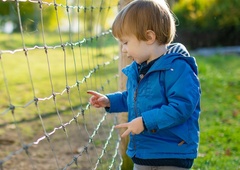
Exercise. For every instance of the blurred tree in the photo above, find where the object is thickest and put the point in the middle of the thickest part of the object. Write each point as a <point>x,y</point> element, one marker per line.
<point>97,15</point>
<point>207,13</point>
<point>208,22</point>
<point>171,2</point>
<point>92,13</point>
<point>30,14</point>
<point>7,13</point>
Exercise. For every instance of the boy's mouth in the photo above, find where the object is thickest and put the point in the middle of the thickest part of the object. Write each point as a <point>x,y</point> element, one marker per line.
<point>130,57</point>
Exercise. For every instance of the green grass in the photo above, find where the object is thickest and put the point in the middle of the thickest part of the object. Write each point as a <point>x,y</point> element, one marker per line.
<point>220,116</point>
<point>219,76</point>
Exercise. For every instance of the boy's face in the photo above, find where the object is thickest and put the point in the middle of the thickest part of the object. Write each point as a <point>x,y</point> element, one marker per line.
<point>135,49</point>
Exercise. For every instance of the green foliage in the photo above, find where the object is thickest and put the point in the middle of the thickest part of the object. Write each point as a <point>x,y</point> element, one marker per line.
<point>204,23</point>
<point>224,13</point>
<point>207,14</point>
<point>30,15</point>
<point>88,15</point>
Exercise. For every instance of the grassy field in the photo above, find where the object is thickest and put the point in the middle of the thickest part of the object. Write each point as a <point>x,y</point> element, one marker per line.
<point>220,117</point>
<point>219,76</point>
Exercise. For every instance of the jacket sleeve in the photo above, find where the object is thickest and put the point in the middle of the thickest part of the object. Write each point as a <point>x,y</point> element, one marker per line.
<point>118,102</point>
<point>182,89</point>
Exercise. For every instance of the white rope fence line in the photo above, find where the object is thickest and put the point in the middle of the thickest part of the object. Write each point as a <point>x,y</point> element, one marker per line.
<point>56,46</point>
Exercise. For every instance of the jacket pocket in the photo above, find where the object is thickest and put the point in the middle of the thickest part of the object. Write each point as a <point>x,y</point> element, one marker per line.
<point>182,132</point>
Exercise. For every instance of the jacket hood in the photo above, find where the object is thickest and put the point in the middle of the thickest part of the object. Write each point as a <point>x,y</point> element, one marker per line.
<point>176,51</point>
<point>166,61</point>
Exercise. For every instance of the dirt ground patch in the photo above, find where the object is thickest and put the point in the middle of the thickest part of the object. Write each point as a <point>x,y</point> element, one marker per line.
<point>92,142</point>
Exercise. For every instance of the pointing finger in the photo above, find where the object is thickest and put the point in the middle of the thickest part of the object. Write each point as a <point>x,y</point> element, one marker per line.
<point>94,93</point>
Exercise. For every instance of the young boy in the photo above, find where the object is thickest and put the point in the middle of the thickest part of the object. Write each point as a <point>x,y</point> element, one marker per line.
<point>162,94</point>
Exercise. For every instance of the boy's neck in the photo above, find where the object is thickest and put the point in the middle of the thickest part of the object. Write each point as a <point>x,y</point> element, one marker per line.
<point>157,51</point>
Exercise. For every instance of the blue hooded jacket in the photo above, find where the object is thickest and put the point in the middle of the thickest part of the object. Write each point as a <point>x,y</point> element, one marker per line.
<point>168,99</point>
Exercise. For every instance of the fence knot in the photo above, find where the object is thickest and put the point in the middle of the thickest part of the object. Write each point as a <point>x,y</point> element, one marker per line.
<point>40,4</point>
<point>36,101</point>
<point>25,148</point>
<point>85,79</point>
<point>68,89</point>
<point>78,83</point>
<point>11,107</point>
<point>90,140</point>
<point>75,119</point>
<point>75,160</point>
<point>47,136</point>
<point>82,111</point>
<point>72,45</point>
<point>67,8</point>
<point>86,149</point>
<point>45,49</point>
<point>63,47</point>
<point>25,51</point>
<point>63,127</point>
<point>55,6</point>
<point>54,96</point>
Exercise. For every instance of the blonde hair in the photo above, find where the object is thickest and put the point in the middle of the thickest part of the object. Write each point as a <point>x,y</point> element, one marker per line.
<point>142,15</point>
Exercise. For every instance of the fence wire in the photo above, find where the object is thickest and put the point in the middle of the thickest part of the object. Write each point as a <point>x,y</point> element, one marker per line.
<point>46,120</point>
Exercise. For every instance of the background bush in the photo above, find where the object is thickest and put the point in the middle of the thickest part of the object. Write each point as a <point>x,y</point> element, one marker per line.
<point>203,23</point>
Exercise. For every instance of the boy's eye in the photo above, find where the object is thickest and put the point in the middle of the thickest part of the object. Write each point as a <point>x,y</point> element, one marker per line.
<point>125,43</point>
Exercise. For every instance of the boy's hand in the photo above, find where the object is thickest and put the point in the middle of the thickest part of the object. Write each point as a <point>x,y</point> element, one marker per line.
<point>134,127</point>
<point>98,100</point>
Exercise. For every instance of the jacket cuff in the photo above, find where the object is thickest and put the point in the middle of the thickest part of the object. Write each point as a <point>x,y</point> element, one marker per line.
<point>144,125</point>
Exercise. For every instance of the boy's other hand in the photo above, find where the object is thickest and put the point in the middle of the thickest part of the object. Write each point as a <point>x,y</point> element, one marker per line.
<point>98,100</point>
<point>135,127</point>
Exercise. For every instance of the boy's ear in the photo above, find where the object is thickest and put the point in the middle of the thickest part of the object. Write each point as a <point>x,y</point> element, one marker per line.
<point>151,36</point>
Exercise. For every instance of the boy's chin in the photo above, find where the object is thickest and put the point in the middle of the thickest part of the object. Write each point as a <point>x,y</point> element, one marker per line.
<point>130,58</point>
<point>138,62</point>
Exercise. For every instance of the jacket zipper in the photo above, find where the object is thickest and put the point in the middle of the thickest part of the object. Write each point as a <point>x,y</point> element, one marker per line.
<point>135,105</point>
<point>135,110</point>
<point>135,102</point>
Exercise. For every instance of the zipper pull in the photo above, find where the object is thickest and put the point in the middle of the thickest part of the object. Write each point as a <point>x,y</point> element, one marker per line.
<point>141,76</point>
